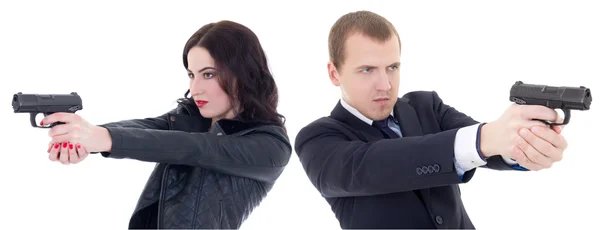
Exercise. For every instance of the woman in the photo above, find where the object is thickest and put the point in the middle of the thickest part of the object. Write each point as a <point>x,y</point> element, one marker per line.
<point>218,153</point>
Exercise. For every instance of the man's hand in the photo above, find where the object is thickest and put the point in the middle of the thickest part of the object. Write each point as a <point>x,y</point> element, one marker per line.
<point>76,135</point>
<point>516,135</point>
<point>539,147</point>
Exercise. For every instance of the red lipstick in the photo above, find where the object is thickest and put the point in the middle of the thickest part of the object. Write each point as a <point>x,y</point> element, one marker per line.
<point>201,103</point>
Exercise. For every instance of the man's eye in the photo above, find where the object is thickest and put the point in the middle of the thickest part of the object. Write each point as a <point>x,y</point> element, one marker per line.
<point>367,70</point>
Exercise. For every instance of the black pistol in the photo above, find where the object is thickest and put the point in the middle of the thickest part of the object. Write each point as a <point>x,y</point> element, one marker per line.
<point>554,97</point>
<point>46,104</point>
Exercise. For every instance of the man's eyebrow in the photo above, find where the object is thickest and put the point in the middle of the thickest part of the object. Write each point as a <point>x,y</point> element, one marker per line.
<point>395,64</point>
<point>366,66</point>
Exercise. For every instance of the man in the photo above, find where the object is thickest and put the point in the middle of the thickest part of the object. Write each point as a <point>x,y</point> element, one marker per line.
<point>386,162</point>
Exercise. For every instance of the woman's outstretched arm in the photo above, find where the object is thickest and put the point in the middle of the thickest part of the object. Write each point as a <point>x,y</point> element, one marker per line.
<point>260,154</point>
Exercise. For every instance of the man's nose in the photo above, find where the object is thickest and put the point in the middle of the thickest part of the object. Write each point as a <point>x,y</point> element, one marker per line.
<point>383,82</point>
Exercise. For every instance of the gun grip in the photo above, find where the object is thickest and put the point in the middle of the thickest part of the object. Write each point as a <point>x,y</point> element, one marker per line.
<point>565,121</point>
<point>34,122</point>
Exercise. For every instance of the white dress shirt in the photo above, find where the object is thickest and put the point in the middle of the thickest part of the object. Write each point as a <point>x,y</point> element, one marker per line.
<point>466,156</point>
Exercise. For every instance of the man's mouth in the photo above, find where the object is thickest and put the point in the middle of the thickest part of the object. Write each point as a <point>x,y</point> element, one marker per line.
<point>201,103</point>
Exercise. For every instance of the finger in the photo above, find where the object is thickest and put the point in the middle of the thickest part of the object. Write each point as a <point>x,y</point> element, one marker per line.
<point>538,112</point>
<point>557,128</point>
<point>73,157</point>
<point>56,117</point>
<point>64,138</point>
<point>556,140</point>
<point>82,152</point>
<point>519,156</point>
<point>49,147</point>
<point>54,152</point>
<point>62,129</point>
<point>532,153</point>
<point>64,153</point>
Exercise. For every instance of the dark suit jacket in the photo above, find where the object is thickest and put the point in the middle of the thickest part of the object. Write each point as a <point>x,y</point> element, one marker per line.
<point>372,182</point>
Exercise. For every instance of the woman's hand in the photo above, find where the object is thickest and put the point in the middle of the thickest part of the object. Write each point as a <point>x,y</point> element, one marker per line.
<point>67,153</point>
<point>76,134</point>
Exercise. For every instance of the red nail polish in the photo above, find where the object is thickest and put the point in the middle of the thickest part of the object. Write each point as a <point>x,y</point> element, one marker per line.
<point>78,146</point>
<point>41,123</point>
<point>70,146</point>
<point>64,144</point>
<point>56,146</point>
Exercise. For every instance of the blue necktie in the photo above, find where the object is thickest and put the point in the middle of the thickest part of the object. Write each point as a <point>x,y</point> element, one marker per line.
<point>385,129</point>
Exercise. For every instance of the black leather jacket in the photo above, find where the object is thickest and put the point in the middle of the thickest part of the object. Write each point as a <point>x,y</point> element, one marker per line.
<point>204,179</point>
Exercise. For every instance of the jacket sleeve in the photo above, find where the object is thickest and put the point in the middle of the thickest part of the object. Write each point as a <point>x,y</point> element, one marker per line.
<point>339,167</point>
<point>261,154</point>
<point>159,122</point>
<point>449,118</point>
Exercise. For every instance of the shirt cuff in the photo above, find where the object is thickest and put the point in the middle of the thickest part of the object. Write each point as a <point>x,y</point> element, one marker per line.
<point>509,161</point>
<point>513,164</point>
<point>466,148</point>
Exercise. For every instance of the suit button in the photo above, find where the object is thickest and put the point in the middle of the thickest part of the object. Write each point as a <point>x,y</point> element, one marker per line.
<point>172,118</point>
<point>436,168</point>
<point>419,171</point>
<point>439,220</point>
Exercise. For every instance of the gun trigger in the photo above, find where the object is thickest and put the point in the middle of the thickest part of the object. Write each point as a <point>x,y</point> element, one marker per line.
<point>565,121</point>
<point>34,123</point>
<point>32,120</point>
<point>567,116</point>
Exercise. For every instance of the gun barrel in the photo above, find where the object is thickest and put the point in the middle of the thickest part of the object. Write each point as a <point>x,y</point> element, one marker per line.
<point>42,103</point>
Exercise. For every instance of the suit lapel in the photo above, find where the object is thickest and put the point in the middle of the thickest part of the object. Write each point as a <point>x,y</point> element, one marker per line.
<point>404,114</point>
<point>353,123</point>
<point>406,117</point>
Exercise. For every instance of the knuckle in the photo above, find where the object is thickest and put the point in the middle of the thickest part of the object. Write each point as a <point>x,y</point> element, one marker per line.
<point>547,149</point>
<point>558,157</point>
<point>536,157</point>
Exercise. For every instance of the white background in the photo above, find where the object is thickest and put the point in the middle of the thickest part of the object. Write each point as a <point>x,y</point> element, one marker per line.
<point>124,59</point>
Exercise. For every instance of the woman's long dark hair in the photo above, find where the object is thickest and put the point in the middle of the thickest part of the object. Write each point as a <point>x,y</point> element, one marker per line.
<point>243,70</point>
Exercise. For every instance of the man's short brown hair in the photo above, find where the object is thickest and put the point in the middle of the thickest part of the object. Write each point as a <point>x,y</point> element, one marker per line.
<point>359,22</point>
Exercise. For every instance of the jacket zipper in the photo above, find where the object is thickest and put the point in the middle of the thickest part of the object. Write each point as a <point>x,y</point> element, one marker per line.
<point>160,197</point>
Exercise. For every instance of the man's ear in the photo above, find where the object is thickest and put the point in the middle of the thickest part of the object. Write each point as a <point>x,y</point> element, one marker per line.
<point>333,74</point>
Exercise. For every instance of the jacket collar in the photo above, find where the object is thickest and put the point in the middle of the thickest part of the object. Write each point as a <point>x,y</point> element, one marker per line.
<point>404,114</point>
<point>188,118</point>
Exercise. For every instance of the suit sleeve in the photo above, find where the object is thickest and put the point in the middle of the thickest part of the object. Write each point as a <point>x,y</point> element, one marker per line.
<point>261,154</point>
<point>339,167</point>
<point>449,118</point>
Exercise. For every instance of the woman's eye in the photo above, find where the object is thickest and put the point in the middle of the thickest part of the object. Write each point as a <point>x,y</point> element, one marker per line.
<point>208,75</point>
<point>190,75</point>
